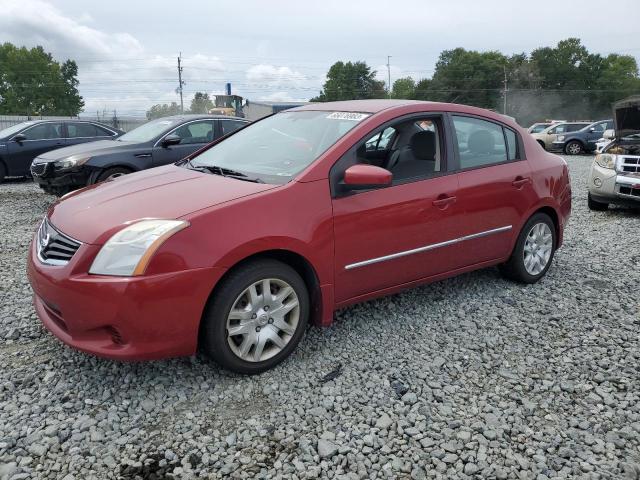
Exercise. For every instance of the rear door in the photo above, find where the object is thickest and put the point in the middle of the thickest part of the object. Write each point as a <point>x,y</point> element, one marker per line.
<point>193,136</point>
<point>82,132</point>
<point>494,187</point>
<point>40,138</point>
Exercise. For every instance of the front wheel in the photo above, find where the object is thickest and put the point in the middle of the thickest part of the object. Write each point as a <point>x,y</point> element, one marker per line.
<point>256,317</point>
<point>3,172</point>
<point>533,253</point>
<point>112,173</point>
<point>573,148</point>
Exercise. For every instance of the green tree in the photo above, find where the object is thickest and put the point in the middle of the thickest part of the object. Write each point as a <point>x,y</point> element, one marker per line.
<point>33,83</point>
<point>350,81</point>
<point>201,103</point>
<point>404,88</point>
<point>466,76</point>
<point>163,110</point>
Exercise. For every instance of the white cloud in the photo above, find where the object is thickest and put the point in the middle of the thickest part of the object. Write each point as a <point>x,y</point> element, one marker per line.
<point>274,75</point>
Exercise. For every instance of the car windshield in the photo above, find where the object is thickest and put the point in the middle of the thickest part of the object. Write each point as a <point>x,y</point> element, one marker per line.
<point>148,131</point>
<point>7,132</point>
<point>278,147</point>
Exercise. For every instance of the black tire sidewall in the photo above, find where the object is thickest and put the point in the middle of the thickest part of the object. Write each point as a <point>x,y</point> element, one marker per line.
<point>595,205</point>
<point>517,259</point>
<point>3,172</point>
<point>213,338</point>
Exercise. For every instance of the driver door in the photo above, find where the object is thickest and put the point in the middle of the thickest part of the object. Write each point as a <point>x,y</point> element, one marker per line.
<point>193,136</point>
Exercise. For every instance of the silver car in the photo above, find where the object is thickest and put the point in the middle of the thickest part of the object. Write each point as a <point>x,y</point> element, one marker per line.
<point>615,172</point>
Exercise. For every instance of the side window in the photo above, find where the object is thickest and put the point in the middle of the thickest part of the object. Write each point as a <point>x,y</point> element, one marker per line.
<point>103,132</point>
<point>512,144</point>
<point>80,130</point>
<point>480,142</point>
<point>382,140</point>
<point>559,129</point>
<point>44,131</point>
<point>229,126</point>
<point>196,132</point>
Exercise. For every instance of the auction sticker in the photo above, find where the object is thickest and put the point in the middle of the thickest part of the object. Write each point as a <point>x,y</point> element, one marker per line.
<point>353,116</point>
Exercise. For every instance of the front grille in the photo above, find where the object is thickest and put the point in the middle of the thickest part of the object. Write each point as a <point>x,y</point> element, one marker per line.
<point>54,247</point>
<point>630,164</point>
<point>632,192</point>
<point>39,169</point>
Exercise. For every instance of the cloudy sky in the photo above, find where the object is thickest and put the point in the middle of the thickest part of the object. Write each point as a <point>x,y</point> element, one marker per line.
<point>281,50</point>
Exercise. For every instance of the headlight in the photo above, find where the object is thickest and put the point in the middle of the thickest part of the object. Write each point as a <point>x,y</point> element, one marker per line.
<point>605,160</point>
<point>128,252</point>
<point>71,162</point>
<point>561,138</point>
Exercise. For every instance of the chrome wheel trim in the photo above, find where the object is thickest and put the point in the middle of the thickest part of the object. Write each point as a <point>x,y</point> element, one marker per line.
<point>263,320</point>
<point>574,148</point>
<point>537,248</point>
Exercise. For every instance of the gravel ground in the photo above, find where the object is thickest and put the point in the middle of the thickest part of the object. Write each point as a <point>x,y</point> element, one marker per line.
<point>474,377</point>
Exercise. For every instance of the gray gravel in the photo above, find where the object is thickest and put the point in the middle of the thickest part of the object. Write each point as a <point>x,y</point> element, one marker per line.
<point>474,377</point>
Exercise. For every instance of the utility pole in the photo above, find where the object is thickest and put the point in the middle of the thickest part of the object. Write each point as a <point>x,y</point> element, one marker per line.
<point>506,88</point>
<point>389,75</point>
<point>180,82</point>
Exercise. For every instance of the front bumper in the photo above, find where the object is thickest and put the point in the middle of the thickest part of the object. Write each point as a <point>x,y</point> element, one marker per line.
<point>45,176</point>
<point>608,186</point>
<point>123,318</point>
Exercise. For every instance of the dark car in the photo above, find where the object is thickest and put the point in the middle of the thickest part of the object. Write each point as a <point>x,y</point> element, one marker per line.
<point>21,143</point>
<point>584,140</point>
<point>158,142</point>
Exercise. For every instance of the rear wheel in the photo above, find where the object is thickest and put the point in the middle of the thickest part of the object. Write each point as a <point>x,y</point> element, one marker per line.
<point>256,317</point>
<point>573,147</point>
<point>112,173</point>
<point>533,253</point>
<point>595,205</point>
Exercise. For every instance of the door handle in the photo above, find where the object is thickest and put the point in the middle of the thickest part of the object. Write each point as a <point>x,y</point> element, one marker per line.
<point>520,182</point>
<point>444,200</point>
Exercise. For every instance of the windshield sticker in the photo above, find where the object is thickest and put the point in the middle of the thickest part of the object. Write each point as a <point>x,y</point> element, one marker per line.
<point>353,116</point>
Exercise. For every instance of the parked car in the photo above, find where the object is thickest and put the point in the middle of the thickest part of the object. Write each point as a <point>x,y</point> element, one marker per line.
<point>21,143</point>
<point>539,127</point>
<point>583,140</point>
<point>158,142</point>
<point>550,134</point>
<point>238,247</point>
<point>615,172</point>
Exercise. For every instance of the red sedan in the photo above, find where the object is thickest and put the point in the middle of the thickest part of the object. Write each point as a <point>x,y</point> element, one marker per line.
<point>237,248</point>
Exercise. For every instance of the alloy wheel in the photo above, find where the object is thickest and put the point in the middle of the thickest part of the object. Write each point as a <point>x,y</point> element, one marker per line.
<point>115,175</point>
<point>537,248</point>
<point>574,148</point>
<point>263,319</point>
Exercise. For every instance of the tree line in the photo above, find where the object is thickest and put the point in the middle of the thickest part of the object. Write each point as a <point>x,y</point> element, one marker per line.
<point>562,82</point>
<point>33,83</point>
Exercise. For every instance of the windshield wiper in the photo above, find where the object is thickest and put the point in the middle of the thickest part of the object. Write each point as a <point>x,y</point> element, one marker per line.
<point>223,172</point>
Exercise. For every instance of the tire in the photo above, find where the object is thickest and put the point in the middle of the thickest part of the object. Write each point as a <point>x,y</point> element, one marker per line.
<point>57,191</point>
<point>516,268</point>
<point>233,292</point>
<point>573,147</point>
<point>112,173</point>
<point>3,172</point>
<point>595,205</point>
<point>541,143</point>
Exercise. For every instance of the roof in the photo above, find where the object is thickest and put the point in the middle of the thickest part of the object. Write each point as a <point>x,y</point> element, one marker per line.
<point>364,106</point>
<point>194,116</point>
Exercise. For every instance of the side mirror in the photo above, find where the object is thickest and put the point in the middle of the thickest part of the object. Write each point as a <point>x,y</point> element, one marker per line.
<point>171,140</point>
<point>364,177</point>
<point>609,134</point>
<point>19,138</point>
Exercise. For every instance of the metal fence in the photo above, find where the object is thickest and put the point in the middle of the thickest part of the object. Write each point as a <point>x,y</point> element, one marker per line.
<point>123,123</point>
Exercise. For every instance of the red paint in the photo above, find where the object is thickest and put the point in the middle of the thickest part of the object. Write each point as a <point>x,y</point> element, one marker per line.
<point>158,314</point>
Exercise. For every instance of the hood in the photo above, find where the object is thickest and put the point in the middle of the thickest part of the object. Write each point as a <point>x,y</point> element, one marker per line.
<point>98,148</point>
<point>626,116</point>
<point>93,214</point>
